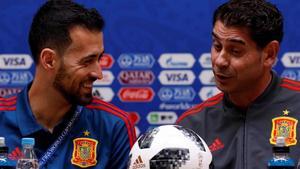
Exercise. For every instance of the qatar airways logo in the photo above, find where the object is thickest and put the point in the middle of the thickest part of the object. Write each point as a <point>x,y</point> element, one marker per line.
<point>176,60</point>
<point>15,61</point>
<point>136,94</point>
<point>137,77</point>
<point>107,79</point>
<point>176,77</point>
<point>291,59</point>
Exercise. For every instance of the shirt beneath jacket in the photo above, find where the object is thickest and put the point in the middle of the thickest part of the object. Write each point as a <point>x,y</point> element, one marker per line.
<point>243,139</point>
<point>96,136</point>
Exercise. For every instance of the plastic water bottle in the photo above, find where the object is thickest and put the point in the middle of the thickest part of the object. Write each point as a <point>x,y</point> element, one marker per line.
<point>281,159</point>
<point>3,150</point>
<point>5,163</point>
<point>29,159</point>
<point>298,165</point>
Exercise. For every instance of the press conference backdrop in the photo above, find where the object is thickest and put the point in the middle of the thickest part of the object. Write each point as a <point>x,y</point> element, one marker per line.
<point>157,61</point>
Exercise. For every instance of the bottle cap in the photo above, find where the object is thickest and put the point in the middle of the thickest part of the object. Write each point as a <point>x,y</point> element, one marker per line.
<point>2,141</point>
<point>280,141</point>
<point>28,141</point>
<point>280,146</point>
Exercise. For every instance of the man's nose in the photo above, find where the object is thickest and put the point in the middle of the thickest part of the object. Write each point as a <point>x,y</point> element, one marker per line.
<point>97,71</point>
<point>222,59</point>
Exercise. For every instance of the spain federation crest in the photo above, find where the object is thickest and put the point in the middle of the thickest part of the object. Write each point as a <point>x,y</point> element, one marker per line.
<point>285,127</point>
<point>84,152</point>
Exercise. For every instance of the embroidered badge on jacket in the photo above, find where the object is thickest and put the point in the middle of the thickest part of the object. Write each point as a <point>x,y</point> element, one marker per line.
<point>84,152</point>
<point>286,127</point>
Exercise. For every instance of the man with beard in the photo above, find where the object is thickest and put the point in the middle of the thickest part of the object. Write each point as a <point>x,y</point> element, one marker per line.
<point>242,123</point>
<point>71,128</point>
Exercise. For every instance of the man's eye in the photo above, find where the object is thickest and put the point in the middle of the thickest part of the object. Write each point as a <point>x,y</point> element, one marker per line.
<point>217,47</point>
<point>235,51</point>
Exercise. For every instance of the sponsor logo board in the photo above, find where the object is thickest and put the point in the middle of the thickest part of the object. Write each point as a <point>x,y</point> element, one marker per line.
<point>136,94</point>
<point>103,93</point>
<point>136,77</point>
<point>291,74</point>
<point>15,61</point>
<point>207,92</point>
<point>176,60</point>
<point>136,60</point>
<point>207,77</point>
<point>174,94</point>
<point>162,117</point>
<point>106,61</point>
<point>9,91</point>
<point>291,59</point>
<point>15,77</point>
<point>205,60</point>
<point>176,77</point>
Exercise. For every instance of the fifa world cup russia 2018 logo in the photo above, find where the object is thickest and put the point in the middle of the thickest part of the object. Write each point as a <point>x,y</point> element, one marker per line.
<point>84,152</point>
<point>284,126</point>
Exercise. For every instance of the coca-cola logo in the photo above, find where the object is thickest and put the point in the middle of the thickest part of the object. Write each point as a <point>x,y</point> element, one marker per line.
<point>138,77</point>
<point>136,94</point>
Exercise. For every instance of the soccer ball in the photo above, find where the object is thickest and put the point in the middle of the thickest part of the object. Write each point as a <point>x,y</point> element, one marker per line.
<point>169,147</point>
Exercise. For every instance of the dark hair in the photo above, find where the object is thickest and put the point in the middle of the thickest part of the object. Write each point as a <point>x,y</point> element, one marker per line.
<point>52,22</point>
<point>262,19</point>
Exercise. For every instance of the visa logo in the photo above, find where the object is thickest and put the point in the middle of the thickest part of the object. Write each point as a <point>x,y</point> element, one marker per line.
<point>176,77</point>
<point>294,59</point>
<point>15,61</point>
<point>291,59</point>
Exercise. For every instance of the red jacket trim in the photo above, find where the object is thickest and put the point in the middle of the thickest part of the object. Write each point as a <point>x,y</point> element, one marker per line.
<point>101,105</point>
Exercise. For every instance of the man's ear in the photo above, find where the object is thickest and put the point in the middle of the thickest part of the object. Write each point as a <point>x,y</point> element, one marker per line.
<point>270,53</point>
<point>48,58</point>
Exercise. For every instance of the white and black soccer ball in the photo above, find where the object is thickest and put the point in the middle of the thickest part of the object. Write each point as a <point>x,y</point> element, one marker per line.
<point>170,147</point>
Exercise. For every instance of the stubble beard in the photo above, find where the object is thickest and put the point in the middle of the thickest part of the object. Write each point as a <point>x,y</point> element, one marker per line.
<point>71,95</point>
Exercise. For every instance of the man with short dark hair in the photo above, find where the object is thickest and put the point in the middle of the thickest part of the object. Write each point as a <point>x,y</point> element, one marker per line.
<point>71,128</point>
<point>242,123</point>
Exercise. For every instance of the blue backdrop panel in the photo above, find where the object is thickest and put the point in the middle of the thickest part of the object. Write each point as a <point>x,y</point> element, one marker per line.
<point>158,61</point>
